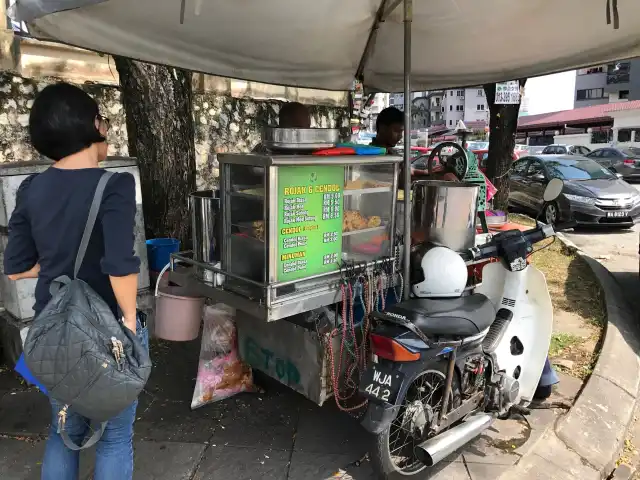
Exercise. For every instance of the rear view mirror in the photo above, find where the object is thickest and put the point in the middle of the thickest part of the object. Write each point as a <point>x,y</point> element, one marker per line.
<point>553,190</point>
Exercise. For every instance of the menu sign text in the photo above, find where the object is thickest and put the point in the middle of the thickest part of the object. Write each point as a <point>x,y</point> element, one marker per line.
<point>309,220</point>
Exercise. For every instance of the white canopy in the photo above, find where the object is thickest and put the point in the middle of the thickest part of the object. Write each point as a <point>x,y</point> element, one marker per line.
<point>321,43</point>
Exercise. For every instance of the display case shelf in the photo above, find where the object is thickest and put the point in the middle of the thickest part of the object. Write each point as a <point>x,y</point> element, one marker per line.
<point>364,191</point>
<point>365,230</point>
<point>249,196</point>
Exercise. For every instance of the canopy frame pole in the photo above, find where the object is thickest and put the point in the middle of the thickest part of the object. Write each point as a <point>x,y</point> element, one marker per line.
<point>406,274</point>
<point>386,8</point>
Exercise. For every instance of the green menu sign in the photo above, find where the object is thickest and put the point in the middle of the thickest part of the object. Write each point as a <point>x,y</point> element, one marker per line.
<point>309,220</point>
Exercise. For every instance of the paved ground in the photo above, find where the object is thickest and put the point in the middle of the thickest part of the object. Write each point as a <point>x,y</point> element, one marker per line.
<point>276,435</point>
<point>280,435</point>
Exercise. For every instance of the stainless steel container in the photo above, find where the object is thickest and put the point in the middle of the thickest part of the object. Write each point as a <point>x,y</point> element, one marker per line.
<point>300,138</point>
<point>444,213</point>
<point>205,208</point>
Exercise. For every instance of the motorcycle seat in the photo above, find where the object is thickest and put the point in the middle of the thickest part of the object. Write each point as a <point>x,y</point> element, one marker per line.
<point>451,317</point>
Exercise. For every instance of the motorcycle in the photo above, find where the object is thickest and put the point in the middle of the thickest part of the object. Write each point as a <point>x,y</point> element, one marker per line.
<point>448,362</point>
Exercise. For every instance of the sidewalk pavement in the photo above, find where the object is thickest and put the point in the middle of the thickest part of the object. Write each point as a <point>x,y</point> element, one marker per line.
<point>276,435</point>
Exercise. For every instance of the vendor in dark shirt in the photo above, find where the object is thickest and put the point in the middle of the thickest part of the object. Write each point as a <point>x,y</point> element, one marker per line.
<point>389,128</point>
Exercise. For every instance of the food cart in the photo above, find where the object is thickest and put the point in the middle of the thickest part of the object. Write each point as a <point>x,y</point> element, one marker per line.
<point>323,45</point>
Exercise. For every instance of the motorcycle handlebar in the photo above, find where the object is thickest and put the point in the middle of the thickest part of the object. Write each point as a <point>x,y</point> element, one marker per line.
<point>534,235</point>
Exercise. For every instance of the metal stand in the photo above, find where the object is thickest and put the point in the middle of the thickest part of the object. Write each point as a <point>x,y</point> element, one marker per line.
<point>408,17</point>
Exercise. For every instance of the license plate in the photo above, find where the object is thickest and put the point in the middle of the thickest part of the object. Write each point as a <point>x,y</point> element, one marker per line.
<point>619,214</point>
<point>381,383</point>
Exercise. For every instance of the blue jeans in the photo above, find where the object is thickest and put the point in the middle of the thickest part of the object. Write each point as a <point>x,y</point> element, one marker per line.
<point>114,450</point>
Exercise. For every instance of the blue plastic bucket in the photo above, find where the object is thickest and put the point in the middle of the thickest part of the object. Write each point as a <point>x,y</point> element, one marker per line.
<point>23,370</point>
<point>159,251</point>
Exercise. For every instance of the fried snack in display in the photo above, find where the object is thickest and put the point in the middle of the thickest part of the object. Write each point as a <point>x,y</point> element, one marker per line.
<point>258,230</point>
<point>374,222</point>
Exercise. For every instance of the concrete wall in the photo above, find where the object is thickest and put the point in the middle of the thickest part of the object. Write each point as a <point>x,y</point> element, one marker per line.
<point>223,123</point>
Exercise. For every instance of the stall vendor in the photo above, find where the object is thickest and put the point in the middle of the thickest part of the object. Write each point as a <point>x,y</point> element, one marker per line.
<point>389,128</point>
<point>292,115</point>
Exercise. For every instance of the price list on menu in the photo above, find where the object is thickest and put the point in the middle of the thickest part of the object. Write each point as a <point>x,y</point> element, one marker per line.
<point>309,220</point>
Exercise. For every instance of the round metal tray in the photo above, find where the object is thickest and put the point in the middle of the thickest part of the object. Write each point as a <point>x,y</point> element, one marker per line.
<point>300,138</point>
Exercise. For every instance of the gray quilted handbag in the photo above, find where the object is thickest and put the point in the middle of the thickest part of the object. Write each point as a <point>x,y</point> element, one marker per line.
<point>87,360</point>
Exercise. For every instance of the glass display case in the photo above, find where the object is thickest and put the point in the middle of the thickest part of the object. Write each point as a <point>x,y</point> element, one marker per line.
<point>289,223</point>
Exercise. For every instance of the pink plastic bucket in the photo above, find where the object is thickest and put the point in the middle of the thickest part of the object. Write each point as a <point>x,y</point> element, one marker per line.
<point>178,313</point>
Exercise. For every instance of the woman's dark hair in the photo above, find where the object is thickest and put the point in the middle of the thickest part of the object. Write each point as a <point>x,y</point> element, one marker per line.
<point>63,121</point>
<point>389,116</point>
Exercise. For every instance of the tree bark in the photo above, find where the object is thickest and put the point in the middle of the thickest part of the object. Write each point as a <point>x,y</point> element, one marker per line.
<point>158,106</point>
<point>503,122</point>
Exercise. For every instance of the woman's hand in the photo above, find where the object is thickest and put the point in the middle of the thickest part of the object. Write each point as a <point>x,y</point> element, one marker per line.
<point>33,273</point>
<point>130,322</point>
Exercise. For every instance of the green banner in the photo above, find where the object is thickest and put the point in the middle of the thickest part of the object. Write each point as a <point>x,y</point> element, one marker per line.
<point>309,220</point>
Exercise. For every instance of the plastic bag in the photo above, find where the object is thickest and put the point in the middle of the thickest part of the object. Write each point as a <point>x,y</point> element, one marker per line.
<point>220,336</point>
<point>491,189</point>
<point>221,373</point>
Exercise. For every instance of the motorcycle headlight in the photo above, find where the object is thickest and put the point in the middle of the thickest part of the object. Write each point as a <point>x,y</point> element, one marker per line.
<point>580,199</point>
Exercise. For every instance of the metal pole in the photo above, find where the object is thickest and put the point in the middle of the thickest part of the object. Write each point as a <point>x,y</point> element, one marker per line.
<point>408,16</point>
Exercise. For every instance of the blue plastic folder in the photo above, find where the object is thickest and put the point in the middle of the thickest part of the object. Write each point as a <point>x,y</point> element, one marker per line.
<point>21,368</point>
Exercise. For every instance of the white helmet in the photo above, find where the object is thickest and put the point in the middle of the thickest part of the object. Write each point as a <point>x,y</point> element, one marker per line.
<point>444,274</point>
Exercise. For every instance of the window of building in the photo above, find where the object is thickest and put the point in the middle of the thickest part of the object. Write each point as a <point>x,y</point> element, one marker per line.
<point>480,107</point>
<point>451,93</point>
<point>590,93</point>
<point>459,93</point>
<point>480,92</point>
<point>450,108</point>
<point>623,94</point>
<point>450,122</point>
<point>590,70</point>
<point>459,108</point>
<point>624,135</point>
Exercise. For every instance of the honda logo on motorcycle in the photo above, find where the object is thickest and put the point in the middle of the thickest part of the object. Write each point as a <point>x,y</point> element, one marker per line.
<point>395,315</point>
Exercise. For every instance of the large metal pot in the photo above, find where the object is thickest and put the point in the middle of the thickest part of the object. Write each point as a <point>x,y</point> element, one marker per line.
<point>444,213</point>
<point>205,210</point>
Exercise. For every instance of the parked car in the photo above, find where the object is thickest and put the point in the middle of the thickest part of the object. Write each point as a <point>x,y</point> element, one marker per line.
<point>592,194</point>
<point>521,150</point>
<point>483,155</point>
<point>477,145</point>
<point>536,149</point>
<point>623,160</point>
<point>561,149</point>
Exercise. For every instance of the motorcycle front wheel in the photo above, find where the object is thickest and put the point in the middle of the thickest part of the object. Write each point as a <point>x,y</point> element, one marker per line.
<point>393,452</point>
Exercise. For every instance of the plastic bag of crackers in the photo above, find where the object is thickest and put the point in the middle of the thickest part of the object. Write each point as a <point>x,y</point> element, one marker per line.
<point>221,373</point>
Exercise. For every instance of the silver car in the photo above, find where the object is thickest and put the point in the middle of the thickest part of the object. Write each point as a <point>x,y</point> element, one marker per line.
<point>622,160</point>
<point>562,149</point>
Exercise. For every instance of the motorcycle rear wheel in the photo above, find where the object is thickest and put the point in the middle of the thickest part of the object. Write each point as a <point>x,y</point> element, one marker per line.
<point>393,462</point>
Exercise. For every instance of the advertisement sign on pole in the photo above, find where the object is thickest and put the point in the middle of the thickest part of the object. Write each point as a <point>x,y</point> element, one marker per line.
<point>508,93</point>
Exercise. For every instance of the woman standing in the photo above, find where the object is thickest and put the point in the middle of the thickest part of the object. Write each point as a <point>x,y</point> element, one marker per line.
<point>45,229</point>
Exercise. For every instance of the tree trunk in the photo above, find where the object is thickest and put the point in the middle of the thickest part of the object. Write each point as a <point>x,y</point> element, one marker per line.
<point>158,107</point>
<point>503,122</point>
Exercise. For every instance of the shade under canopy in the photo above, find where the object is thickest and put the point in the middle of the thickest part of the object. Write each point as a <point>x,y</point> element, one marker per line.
<point>320,43</point>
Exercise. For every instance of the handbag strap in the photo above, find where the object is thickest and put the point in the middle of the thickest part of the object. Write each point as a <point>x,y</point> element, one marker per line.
<point>91,441</point>
<point>91,221</point>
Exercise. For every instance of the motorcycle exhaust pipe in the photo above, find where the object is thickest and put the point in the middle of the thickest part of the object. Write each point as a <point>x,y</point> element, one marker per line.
<point>444,444</point>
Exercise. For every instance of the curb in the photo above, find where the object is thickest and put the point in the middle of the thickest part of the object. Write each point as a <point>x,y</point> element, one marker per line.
<point>596,426</point>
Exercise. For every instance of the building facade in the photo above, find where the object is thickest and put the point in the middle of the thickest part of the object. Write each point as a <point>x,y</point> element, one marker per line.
<point>614,82</point>
<point>445,107</point>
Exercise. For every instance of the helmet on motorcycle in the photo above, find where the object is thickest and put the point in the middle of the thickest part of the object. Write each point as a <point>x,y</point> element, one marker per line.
<point>444,274</point>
